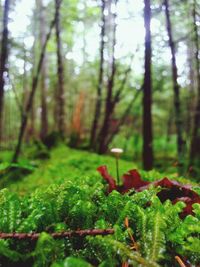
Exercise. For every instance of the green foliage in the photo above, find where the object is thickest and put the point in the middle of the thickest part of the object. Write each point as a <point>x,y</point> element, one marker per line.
<point>14,171</point>
<point>78,200</point>
<point>38,151</point>
<point>186,237</point>
<point>64,163</point>
<point>6,252</point>
<point>83,204</point>
<point>47,250</point>
<point>72,262</point>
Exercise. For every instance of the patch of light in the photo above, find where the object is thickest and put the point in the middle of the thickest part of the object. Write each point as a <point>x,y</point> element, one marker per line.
<point>20,17</point>
<point>69,55</point>
<point>28,41</point>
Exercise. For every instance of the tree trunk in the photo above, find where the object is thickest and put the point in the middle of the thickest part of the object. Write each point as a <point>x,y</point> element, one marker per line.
<point>100,80</point>
<point>3,61</point>
<point>147,89</point>
<point>44,118</point>
<point>195,144</point>
<point>109,101</point>
<point>30,132</point>
<point>32,93</point>
<point>176,88</point>
<point>191,93</point>
<point>60,73</point>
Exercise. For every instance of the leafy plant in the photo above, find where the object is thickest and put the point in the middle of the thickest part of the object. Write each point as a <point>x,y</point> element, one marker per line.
<point>154,235</point>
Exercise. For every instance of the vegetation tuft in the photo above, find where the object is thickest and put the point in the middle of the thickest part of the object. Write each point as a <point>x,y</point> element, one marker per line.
<point>147,232</point>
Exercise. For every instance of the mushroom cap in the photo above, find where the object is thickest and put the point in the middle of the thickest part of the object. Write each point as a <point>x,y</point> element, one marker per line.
<point>117,150</point>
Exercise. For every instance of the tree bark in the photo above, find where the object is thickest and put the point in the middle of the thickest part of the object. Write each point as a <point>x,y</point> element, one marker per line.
<point>3,61</point>
<point>195,143</point>
<point>109,103</point>
<point>176,87</point>
<point>147,90</point>
<point>32,93</point>
<point>30,131</point>
<point>60,73</point>
<point>43,82</point>
<point>191,94</point>
<point>100,80</point>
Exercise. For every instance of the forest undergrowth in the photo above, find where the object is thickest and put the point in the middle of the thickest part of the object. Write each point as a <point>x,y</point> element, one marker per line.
<point>65,193</point>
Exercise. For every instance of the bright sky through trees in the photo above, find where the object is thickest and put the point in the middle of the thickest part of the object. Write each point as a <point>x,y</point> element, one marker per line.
<point>130,34</point>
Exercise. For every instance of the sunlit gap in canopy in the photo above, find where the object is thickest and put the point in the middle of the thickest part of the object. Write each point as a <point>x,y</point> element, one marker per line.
<point>130,34</point>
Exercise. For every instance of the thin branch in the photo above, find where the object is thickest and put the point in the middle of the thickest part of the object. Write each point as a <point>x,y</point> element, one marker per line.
<point>180,262</point>
<point>123,83</point>
<point>77,233</point>
<point>123,118</point>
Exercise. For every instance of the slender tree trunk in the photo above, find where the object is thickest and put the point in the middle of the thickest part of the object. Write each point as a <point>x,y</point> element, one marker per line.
<point>169,124</point>
<point>32,93</point>
<point>176,88</point>
<point>25,81</point>
<point>30,128</point>
<point>55,109</point>
<point>3,61</point>
<point>147,89</point>
<point>60,73</point>
<point>195,144</point>
<point>191,93</point>
<point>109,98</point>
<point>44,118</point>
<point>100,80</point>
<point>30,131</point>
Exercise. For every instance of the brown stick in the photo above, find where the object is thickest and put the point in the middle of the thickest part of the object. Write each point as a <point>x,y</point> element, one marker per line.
<point>180,262</point>
<point>76,233</point>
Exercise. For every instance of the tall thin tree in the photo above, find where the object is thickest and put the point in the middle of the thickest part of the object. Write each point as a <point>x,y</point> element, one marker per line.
<point>195,143</point>
<point>43,81</point>
<point>176,87</point>
<point>103,134</point>
<point>60,73</point>
<point>100,78</point>
<point>3,60</point>
<point>147,92</point>
<point>32,93</point>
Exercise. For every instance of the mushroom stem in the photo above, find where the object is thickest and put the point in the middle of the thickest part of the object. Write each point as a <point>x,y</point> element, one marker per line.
<point>117,152</point>
<point>117,169</point>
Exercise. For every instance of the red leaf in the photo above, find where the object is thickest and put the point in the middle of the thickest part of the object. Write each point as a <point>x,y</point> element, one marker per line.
<point>104,173</point>
<point>172,190</point>
<point>132,179</point>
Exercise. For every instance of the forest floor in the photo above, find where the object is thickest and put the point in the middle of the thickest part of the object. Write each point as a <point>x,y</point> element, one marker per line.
<point>65,163</point>
<point>64,192</point>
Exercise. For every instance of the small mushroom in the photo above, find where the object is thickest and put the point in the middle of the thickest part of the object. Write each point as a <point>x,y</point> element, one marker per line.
<point>117,152</point>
